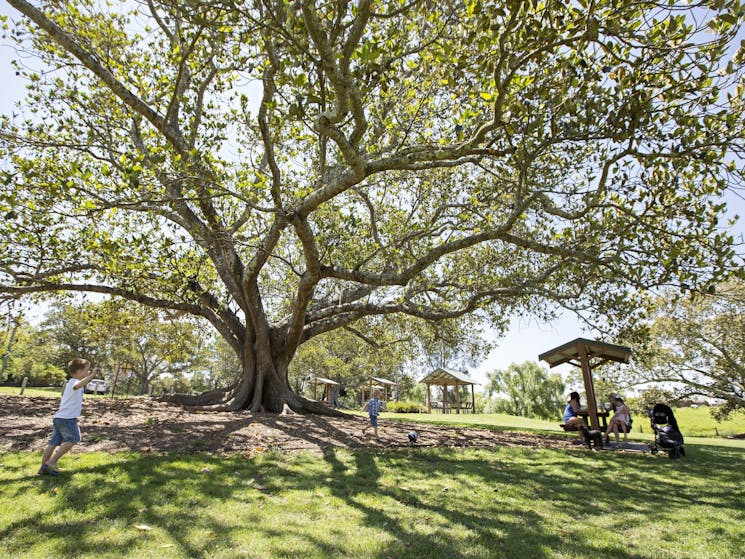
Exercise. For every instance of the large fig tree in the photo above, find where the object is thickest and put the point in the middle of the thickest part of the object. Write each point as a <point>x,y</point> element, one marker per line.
<point>285,168</point>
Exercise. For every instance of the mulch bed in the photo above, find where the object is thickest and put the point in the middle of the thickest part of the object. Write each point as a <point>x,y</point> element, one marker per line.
<point>145,425</point>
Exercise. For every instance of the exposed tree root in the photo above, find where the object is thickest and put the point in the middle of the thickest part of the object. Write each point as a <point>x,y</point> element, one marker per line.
<point>224,400</point>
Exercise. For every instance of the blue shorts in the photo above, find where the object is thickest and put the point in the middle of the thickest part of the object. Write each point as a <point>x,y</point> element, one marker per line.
<point>64,430</point>
<point>374,420</point>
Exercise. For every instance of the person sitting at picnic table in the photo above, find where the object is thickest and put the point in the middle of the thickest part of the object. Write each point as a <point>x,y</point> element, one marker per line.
<point>573,421</point>
<point>621,420</point>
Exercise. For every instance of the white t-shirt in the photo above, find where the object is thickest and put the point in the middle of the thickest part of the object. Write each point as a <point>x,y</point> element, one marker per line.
<point>71,404</point>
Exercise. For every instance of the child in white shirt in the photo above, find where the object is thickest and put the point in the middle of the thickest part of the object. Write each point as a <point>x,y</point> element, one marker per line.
<point>65,431</point>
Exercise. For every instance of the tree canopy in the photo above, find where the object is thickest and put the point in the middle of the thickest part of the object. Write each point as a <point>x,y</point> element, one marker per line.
<point>697,345</point>
<point>528,390</point>
<point>284,169</point>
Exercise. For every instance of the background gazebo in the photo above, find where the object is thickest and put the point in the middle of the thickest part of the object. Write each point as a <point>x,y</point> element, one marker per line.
<point>444,379</point>
<point>326,385</point>
<point>587,355</point>
<point>384,385</point>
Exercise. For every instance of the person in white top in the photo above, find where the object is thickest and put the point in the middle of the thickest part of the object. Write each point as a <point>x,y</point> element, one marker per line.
<point>621,419</point>
<point>65,430</point>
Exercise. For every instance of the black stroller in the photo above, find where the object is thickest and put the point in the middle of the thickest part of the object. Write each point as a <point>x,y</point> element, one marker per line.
<point>667,435</point>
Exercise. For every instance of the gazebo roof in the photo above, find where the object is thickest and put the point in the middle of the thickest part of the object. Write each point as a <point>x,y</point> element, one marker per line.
<point>443,376</point>
<point>570,353</point>
<point>383,381</point>
<point>325,381</point>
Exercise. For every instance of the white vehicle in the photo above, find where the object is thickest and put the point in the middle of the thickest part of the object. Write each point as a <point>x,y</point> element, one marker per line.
<point>97,386</point>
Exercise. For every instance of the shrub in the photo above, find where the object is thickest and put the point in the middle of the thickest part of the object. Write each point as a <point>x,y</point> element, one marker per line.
<point>44,374</point>
<point>402,407</point>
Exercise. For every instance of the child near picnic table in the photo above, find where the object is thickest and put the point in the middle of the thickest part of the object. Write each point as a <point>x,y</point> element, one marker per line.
<point>373,409</point>
<point>620,420</point>
<point>65,430</point>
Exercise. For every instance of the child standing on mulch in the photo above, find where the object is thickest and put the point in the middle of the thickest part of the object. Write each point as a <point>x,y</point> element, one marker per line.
<point>65,430</point>
<point>373,409</point>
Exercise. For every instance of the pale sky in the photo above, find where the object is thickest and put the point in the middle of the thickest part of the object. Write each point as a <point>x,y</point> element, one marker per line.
<point>526,338</point>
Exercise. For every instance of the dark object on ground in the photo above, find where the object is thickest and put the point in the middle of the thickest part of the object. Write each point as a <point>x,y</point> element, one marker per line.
<point>413,437</point>
<point>592,436</point>
<point>667,435</point>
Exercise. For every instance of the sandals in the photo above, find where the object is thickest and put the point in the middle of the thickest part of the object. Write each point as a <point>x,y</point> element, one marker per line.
<point>48,470</point>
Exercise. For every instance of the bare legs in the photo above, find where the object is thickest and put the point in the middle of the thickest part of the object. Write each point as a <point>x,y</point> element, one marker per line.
<point>615,426</point>
<point>52,454</point>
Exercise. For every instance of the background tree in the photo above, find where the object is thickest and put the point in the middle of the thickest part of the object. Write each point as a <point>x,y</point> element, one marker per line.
<point>697,346</point>
<point>388,350</point>
<point>526,390</point>
<point>284,169</point>
<point>607,379</point>
<point>34,355</point>
<point>73,325</point>
<point>223,367</point>
<point>111,334</point>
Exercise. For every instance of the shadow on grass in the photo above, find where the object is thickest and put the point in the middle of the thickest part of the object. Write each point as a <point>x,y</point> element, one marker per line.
<point>429,503</point>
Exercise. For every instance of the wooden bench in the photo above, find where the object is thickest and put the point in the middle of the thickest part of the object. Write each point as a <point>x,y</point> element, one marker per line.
<point>566,427</point>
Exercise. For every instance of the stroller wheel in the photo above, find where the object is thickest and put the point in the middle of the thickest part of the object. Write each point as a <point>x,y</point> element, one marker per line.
<point>673,453</point>
<point>682,451</point>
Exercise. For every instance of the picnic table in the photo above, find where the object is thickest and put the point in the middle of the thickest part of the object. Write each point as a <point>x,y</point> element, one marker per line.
<point>602,416</point>
<point>585,414</point>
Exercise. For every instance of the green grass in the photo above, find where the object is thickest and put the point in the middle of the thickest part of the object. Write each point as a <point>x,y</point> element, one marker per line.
<point>697,422</point>
<point>434,503</point>
<point>53,392</point>
<point>693,422</point>
<point>50,392</point>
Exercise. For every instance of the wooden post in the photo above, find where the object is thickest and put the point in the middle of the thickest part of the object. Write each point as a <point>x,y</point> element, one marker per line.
<point>116,378</point>
<point>429,398</point>
<point>457,398</point>
<point>473,400</point>
<point>23,385</point>
<point>592,405</point>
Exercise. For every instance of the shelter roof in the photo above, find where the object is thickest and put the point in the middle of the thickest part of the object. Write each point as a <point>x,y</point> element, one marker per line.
<point>325,380</point>
<point>443,376</point>
<point>570,353</point>
<point>383,381</point>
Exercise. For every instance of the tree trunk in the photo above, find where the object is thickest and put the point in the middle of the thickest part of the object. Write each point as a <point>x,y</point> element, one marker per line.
<point>262,388</point>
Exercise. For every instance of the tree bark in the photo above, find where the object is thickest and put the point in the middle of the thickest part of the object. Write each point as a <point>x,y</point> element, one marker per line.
<point>262,388</point>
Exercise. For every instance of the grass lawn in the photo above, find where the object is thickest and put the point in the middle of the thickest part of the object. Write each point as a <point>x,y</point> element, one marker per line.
<point>50,392</point>
<point>506,502</point>
<point>693,422</point>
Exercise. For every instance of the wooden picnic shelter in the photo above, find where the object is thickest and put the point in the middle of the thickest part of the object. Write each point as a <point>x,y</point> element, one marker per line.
<point>326,384</point>
<point>382,384</point>
<point>444,378</point>
<point>587,355</point>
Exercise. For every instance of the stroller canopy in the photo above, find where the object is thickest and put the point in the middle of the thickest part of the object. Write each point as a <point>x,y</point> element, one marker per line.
<point>662,414</point>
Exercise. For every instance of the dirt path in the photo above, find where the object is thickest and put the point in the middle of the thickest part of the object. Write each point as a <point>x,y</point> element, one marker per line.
<point>151,426</point>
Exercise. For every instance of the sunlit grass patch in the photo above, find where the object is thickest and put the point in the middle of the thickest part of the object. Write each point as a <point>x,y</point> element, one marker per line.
<point>411,502</point>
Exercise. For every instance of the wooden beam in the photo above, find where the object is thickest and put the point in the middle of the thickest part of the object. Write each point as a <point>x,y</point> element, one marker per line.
<point>592,406</point>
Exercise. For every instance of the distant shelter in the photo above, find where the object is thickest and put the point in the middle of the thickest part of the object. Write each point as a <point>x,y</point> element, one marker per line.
<point>330,390</point>
<point>444,379</point>
<point>370,385</point>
